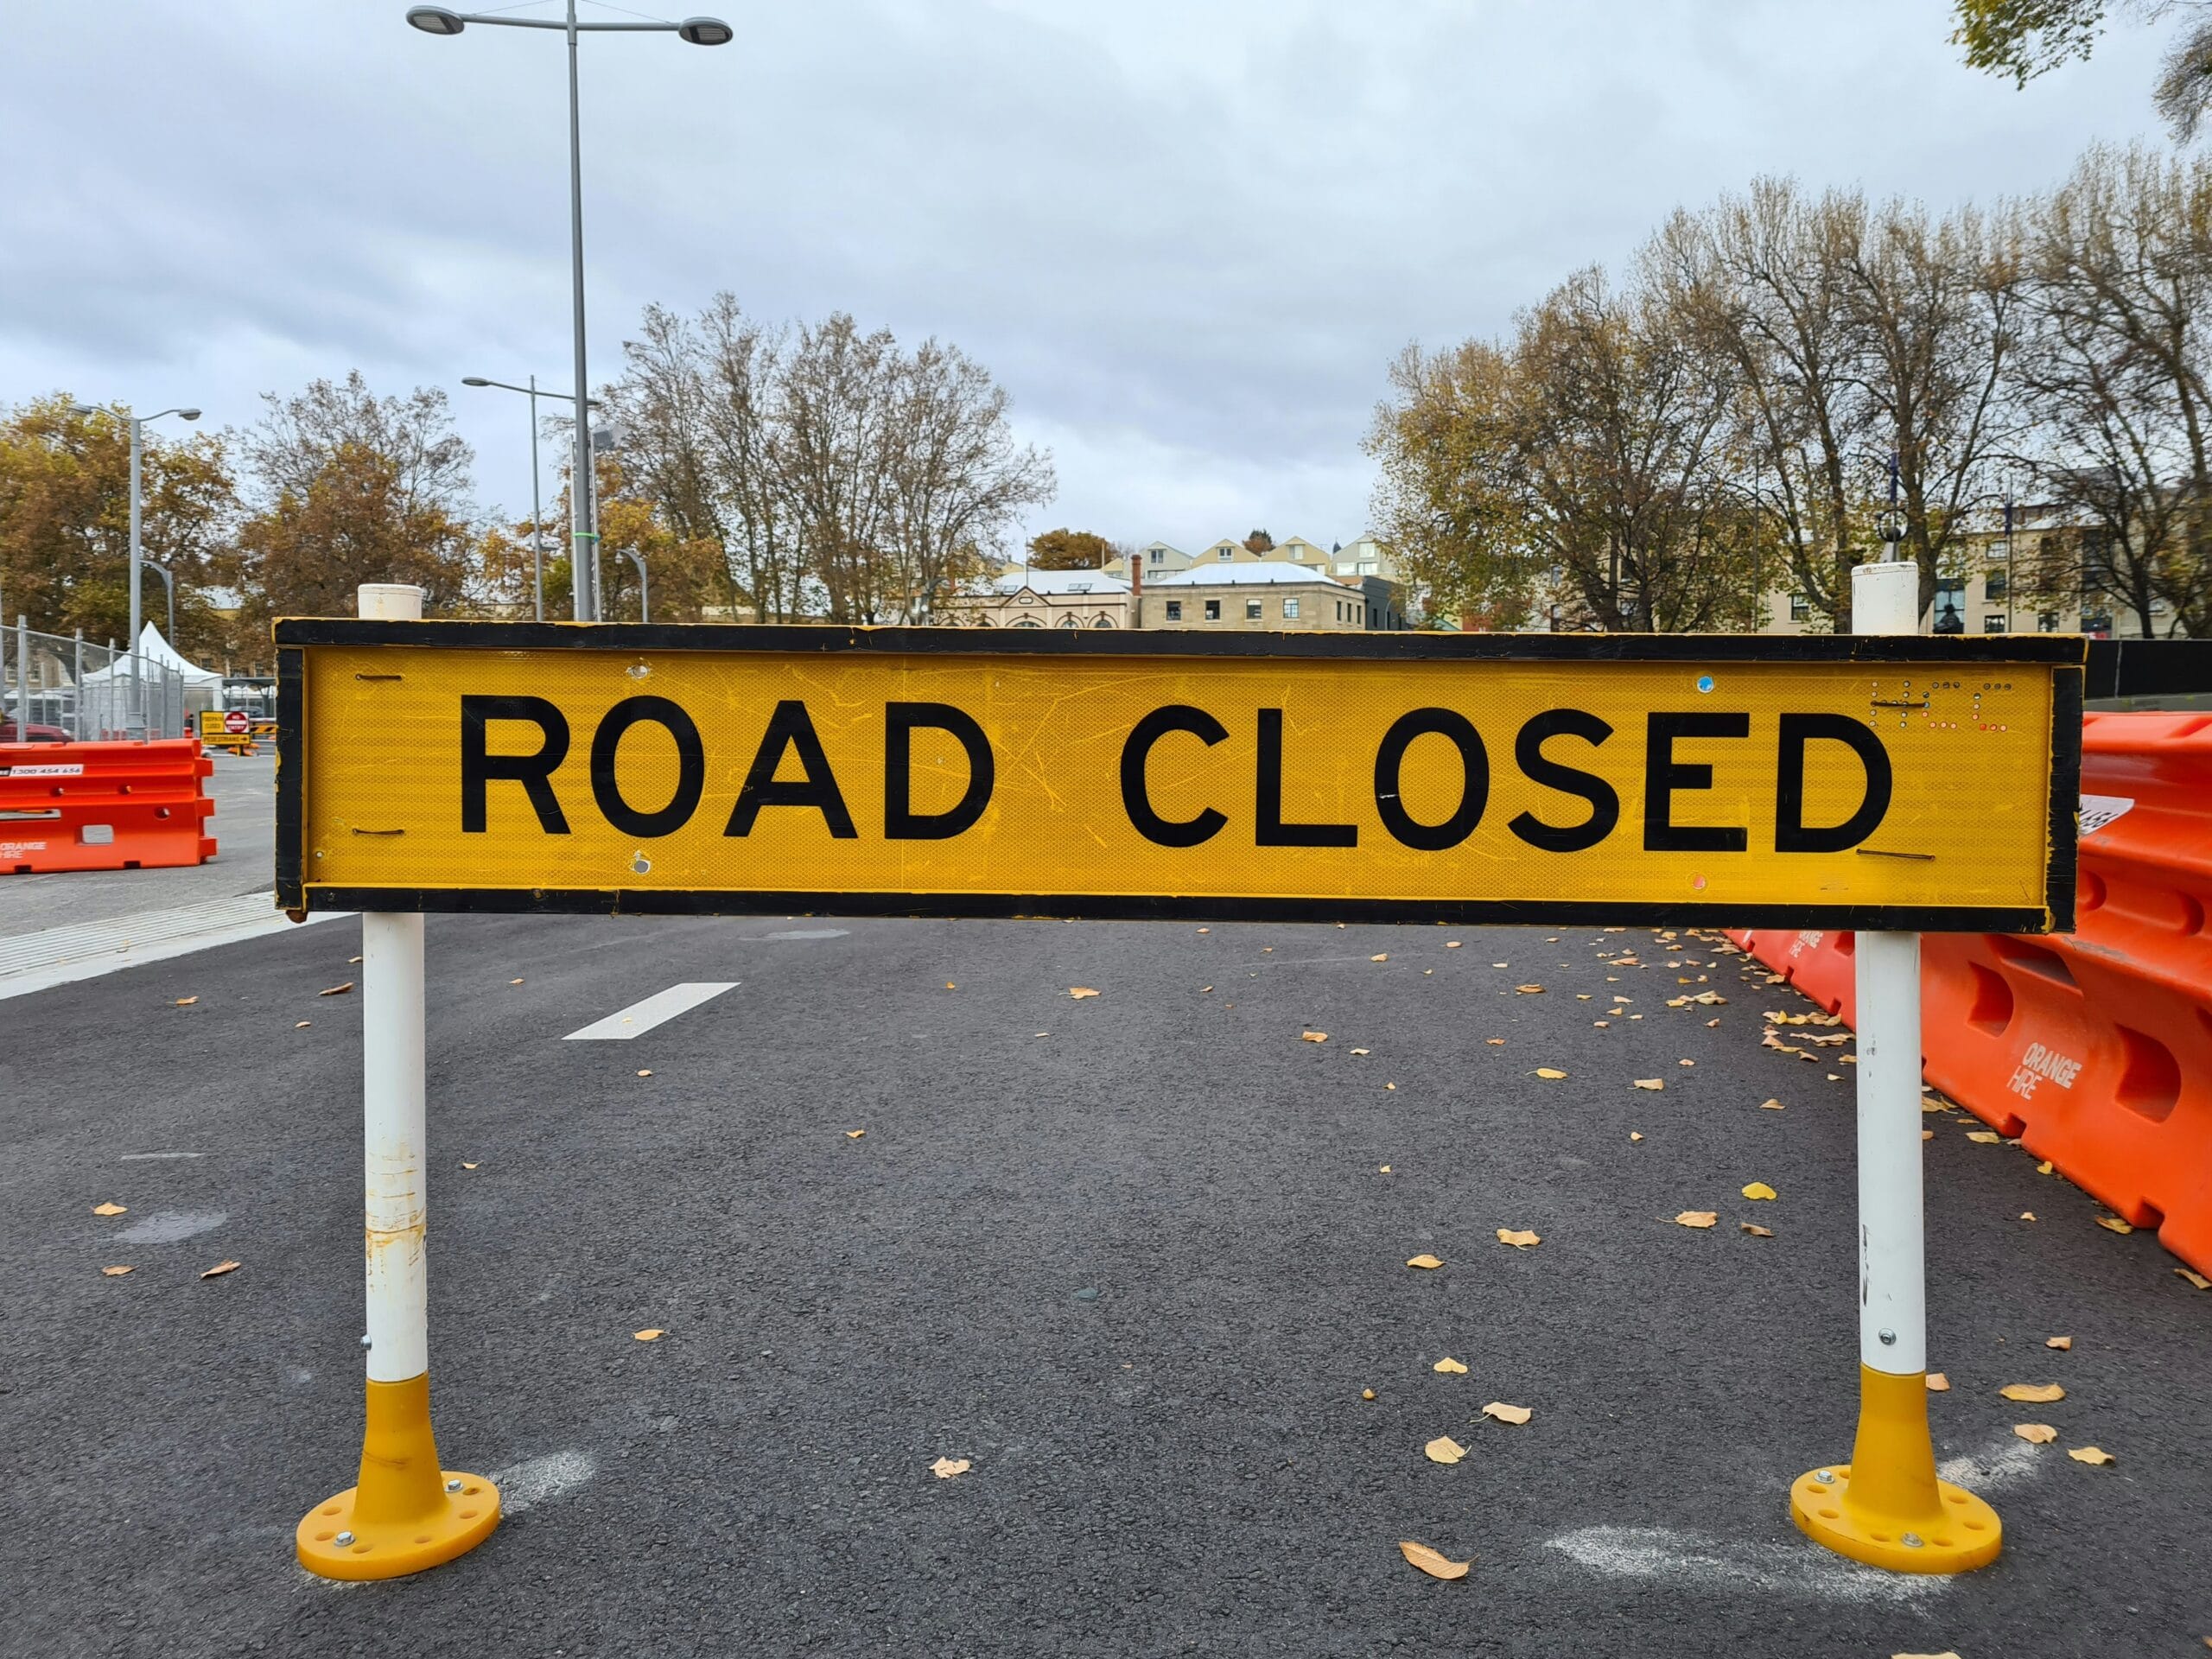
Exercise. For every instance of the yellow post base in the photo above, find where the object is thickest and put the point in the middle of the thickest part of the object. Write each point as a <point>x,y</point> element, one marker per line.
<point>406,1513</point>
<point>1885,1507</point>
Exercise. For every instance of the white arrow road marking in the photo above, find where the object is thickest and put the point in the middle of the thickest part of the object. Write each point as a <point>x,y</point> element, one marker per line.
<point>655,1010</point>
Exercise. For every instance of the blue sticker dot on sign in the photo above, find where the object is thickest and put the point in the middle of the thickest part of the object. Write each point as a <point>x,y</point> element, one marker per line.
<point>1705,682</point>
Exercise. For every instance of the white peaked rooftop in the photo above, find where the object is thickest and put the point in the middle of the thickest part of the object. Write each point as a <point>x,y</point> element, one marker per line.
<point>1227,573</point>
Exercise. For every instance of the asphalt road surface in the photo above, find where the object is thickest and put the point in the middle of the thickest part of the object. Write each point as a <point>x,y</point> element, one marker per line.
<point>1135,1257</point>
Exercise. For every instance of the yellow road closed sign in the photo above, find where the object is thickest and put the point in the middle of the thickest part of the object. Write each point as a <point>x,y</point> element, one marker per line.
<point>1903,782</point>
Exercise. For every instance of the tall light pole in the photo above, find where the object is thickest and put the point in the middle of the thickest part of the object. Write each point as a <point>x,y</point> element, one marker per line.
<point>135,721</point>
<point>697,31</point>
<point>169,581</point>
<point>537,513</point>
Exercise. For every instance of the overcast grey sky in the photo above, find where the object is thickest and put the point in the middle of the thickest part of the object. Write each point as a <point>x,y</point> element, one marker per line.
<point>1186,236</point>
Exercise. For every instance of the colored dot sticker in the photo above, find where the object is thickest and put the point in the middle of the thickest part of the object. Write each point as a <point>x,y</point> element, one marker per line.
<point>1705,682</point>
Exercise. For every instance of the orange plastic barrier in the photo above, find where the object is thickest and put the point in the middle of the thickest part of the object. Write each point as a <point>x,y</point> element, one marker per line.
<point>2095,1048</point>
<point>104,806</point>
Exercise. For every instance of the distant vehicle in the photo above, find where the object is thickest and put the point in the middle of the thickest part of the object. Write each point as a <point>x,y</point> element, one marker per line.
<point>11,731</point>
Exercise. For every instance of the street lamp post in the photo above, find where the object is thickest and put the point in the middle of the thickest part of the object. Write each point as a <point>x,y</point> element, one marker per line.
<point>697,31</point>
<point>135,721</point>
<point>537,513</point>
<point>644,588</point>
<point>170,584</point>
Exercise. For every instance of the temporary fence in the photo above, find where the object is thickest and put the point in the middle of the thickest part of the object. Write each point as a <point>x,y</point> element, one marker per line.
<point>53,688</point>
<point>104,806</point>
<point>2094,1048</point>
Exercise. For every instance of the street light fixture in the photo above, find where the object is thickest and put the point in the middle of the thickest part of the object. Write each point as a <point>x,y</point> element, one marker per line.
<point>169,581</point>
<point>536,516</point>
<point>695,31</point>
<point>136,720</point>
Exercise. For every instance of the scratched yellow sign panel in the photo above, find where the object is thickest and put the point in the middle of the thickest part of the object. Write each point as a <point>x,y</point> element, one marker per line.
<point>1968,748</point>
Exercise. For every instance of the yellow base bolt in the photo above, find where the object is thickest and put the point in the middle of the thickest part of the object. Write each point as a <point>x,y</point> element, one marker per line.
<point>1885,1507</point>
<point>406,1513</point>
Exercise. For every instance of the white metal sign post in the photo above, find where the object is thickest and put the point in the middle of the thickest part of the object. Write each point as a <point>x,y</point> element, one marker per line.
<point>406,1512</point>
<point>1885,1507</point>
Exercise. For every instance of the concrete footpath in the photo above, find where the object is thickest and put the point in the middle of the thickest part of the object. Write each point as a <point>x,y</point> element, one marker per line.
<point>1134,1258</point>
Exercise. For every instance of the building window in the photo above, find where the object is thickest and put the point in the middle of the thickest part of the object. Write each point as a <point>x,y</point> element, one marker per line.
<point>1992,624</point>
<point>1067,620</point>
<point>1950,605</point>
<point>1174,610</point>
<point>1227,553</point>
<point>1155,556</point>
<point>1251,610</point>
<point>2097,623</point>
<point>1994,584</point>
<point>1213,608</point>
<point>1800,609</point>
<point>1103,622</point>
<point>1290,610</point>
<point>1027,622</point>
<point>2047,621</point>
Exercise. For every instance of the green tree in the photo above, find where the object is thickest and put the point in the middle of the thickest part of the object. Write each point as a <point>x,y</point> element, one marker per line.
<point>350,488</point>
<point>1259,542</point>
<point>65,524</point>
<point>2027,38</point>
<point>1069,550</point>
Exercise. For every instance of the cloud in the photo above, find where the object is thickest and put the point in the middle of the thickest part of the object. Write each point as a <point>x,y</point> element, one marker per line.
<point>1187,238</point>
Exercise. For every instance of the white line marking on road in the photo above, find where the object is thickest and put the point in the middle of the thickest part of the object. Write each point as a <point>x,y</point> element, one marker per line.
<point>141,1157</point>
<point>791,934</point>
<point>2001,1463</point>
<point>542,1479</point>
<point>1694,1562</point>
<point>171,1226</point>
<point>641,1017</point>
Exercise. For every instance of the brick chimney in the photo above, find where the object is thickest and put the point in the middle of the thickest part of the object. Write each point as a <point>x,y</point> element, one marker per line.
<point>1136,588</point>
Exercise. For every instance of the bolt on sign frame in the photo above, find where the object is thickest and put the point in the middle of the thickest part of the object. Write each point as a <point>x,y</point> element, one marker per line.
<point>1882,782</point>
<point>1814,781</point>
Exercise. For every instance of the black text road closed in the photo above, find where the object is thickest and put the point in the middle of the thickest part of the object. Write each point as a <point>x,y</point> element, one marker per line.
<point>1907,783</point>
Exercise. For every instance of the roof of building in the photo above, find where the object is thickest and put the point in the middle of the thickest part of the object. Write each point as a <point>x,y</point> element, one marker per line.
<point>1057,583</point>
<point>1226,573</point>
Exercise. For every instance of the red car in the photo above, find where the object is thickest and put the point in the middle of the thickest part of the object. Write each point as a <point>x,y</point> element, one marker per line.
<point>31,732</point>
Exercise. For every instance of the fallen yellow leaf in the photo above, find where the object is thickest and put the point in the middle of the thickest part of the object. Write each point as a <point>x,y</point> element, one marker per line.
<point>1654,1083</point>
<point>2040,1393</point>
<point>1938,1383</point>
<point>1367,1394</point>
<point>1424,1260</point>
<point>1758,1190</point>
<point>2044,1168</point>
<point>2094,1455</point>
<point>337,990</point>
<point>1382,1169</point>
<point>514,982</point>
<point>1381,956</point>
<point>186,1002</point>
<point>1361,1051</point>
<point>2036,1433</point>
<point>1495,1042</point>
<point>1946,1654</point>
<point>1444,1449</point>
<point>1449,1366</point>
<point>1506,1414</point>
<point>113,1272</point>
<point>946,1468</point>
<point>1521,1240</point>
<point>1553,1072</point>
<point>301,1025</point>
<point>1697,1218</point>
<point>1451,944</point>
<point>2062,1344</point>
<point>1770,1106</point>
<point>110,1209</point>
<point>1313,1036</point>
<point>2195,1279</point>
<point>468,1165</point>
<point>644,1074</point>
<point>1755,1230</point>
<point>1528,990</point>
<point>855,1134</point>
<point>651,1333</point>
<point>219,1270</point>
<point>1390,1085</point>
<point>2114,1224</point>
<point>1634,1135</point>
<point>1429,1562</point>
<point>1985,1137</point>
<point>2027,1215</point>
<point>950,986</point>
<point>1601,1023</point>
<point>1079,992</point>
